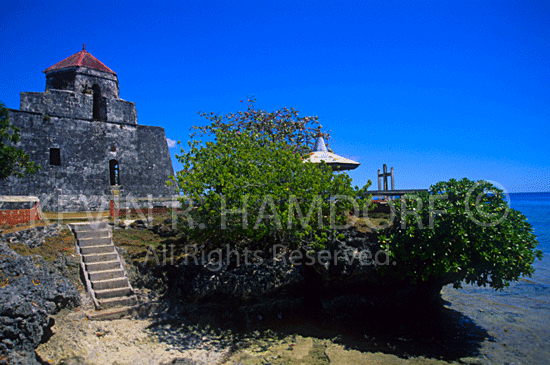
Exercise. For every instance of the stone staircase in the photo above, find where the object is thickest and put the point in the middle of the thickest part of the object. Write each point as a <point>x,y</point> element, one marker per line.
<point>104,274</point>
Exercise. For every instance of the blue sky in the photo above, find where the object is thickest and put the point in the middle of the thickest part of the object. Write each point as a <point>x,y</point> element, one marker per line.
<point>436,89</point>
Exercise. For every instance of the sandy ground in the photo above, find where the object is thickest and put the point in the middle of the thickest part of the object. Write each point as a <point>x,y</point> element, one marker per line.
<point>160,339</point>
<point>78,340</point>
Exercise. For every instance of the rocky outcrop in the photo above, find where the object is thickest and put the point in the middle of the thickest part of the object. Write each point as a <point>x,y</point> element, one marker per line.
<point>240,287</point>
<point>345,279</point>
<point>29,293</point>
<point>348,260</point>
<point>32,237</point>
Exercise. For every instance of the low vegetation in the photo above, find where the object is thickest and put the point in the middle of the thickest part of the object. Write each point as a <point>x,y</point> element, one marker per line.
<point>143,245</point>
<point>461,231</point>
<point>52,247</point>
<point>250,187</point>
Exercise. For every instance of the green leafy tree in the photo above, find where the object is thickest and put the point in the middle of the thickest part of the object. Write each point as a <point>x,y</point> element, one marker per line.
<point>13,161</point>
<point>254,164</point>
<point>461,231</point>
<point>282,125</point>
<point>246,189</point>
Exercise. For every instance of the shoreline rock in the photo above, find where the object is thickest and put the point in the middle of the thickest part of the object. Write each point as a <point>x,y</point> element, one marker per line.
<point>29,294</point>
<point>225,292</point>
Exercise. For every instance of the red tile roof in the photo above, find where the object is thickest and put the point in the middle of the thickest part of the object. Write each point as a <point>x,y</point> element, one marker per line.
<point>80,59</point>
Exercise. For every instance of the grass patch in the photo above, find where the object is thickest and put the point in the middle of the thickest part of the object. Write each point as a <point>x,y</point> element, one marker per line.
<point>64,243</point>
<point>138,242</point>
<point>9,228</point>
<point>374,219</point>
<point>67,217</point>
<point>365,225</point>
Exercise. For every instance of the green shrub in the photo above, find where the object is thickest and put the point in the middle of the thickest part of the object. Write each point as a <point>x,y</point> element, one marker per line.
<point>461,231</point>
<point>249,190</point>
<point>254,159</point>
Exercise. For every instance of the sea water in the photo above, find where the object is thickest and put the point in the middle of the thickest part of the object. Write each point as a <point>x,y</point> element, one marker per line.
<point>517,319</point>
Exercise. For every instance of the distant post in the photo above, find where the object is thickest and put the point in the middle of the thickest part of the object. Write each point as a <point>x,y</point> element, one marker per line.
<point>384,175</point>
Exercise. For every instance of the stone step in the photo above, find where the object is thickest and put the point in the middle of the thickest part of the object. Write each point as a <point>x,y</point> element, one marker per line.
<point>97,249</point>
<point>110,284</point>
<point>111,313</point>
<point>102,266</point>
<point>83,227</point>
<point>93,234</point>
<point>102,257</point>
<point>118,301</point>
<point>106,274</point>
<point>103,270</point>
<point>111,293</point>
<point>94,241</point>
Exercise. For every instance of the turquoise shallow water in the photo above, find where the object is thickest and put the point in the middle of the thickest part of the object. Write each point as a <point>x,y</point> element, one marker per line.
<point>518,318</point>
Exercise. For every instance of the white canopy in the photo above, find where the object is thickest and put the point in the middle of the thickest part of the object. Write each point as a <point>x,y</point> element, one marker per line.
<point>338,163</point>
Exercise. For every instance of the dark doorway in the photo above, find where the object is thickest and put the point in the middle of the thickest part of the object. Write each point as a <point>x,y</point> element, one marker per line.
<point>114,172</point>
<point>55,157</point>
<point>97,101</point>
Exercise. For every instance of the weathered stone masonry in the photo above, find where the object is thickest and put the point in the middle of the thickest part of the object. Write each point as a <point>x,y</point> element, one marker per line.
<point>87,141</point>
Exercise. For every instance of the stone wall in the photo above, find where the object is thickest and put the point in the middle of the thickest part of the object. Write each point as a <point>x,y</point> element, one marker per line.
<point>120,111</point>
<point>58,103</point>
<point>82,181</point>
<point>78,79</point>
<point>71,104</point>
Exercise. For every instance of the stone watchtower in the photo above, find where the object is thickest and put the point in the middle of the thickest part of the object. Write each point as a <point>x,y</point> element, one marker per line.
<point>87,140</point>
<point>81,86</point>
